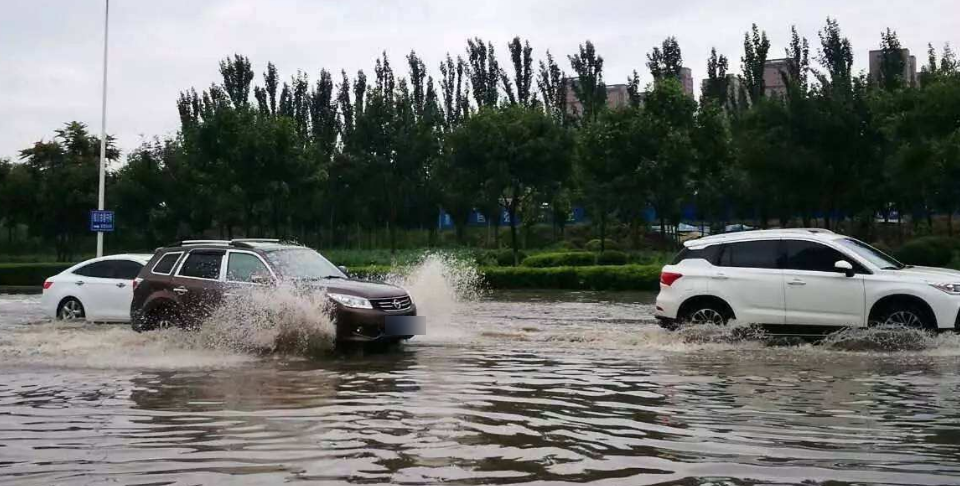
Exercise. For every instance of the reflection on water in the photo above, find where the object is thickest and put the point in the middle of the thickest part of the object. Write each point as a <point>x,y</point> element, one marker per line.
<point>516,398</point>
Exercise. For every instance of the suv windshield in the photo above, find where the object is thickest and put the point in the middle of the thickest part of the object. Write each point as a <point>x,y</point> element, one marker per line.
<point>302,263</point>
<point>871,254</point>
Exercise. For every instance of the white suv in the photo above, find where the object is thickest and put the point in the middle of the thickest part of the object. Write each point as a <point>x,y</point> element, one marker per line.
<point>803,281</point>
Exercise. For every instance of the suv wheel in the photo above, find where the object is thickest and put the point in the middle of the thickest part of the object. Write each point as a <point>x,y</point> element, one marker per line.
<point>903,315</point>
<point>161,317</point>
<point>706,313</point>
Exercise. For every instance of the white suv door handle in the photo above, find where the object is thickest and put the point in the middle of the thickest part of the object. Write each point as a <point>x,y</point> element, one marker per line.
<point>79,282</point>
<point>796,281</point>
<point>121,284</point>
<point>719,276</point>
<point>180,290</point>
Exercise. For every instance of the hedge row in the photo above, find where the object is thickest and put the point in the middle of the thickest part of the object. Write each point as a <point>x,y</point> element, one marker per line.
<point>624,277</point>
<point>930,251</point>
<point>29,274</point>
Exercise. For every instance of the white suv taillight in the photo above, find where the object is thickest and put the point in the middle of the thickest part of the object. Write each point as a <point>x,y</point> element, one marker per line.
<point>668,278</point>
<point>47,284</point>
<point>136,282</point>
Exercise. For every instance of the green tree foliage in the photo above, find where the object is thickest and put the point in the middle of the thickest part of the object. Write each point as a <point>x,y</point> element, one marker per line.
<point>755,49</point>
<point>65,171</point>
<point>588,87</point>
<point>522,150</point>
<point>716,89</point>
<point>665,61</point>
<point>892,62</point>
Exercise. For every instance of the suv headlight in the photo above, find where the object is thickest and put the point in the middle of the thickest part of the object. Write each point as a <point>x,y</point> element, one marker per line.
<point>351,301</point>
<point>950,288</point>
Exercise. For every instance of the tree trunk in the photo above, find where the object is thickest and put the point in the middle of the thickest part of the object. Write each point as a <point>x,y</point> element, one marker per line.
<point>603,231</point>
<point>512,211</point>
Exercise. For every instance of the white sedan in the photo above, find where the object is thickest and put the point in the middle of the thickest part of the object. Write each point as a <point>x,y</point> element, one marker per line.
<point>95,290</point>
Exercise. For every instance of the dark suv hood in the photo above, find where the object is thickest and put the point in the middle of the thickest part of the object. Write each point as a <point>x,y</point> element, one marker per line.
<point>360,288</point>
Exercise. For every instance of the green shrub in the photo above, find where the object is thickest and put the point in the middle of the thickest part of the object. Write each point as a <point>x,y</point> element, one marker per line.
<point>931,251</point>
<point>505,257</point>
<point>29,274</point>
<point>563,259</point>
<point>594,245</point>
<point>562,245</point>
<point>612,257</point>
<point>625,277</point>
<point>372,272</point>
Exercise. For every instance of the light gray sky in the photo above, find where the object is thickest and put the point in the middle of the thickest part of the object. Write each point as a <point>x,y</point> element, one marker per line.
<point>51,50</point>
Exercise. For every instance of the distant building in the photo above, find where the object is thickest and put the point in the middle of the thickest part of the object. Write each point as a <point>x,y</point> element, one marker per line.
<point>909,66</point>
<point>774,71</point>
<point>617,97</point>
<point>733,88</point>
<point>686,80</point>
<point>617,94</point>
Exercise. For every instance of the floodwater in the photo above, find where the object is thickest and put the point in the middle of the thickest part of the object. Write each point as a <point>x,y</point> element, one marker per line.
<point>506,388</point>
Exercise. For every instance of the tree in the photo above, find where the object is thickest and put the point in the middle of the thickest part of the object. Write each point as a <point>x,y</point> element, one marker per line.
<point>607,161</point>
<point>66,170</point>
<point>666,61</point>
<point>521,55</point>
<point>485,72</point>
<point>717,87</point>
<point>522,150</point>
<point>755,49</point>
<point>892,62</point>
<point>553,89</point>
<point>666,150</point>
<point>589,88</point>
<point>836,57</point>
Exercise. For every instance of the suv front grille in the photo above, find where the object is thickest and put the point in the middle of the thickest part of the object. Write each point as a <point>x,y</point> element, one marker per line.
<point>392,304</point>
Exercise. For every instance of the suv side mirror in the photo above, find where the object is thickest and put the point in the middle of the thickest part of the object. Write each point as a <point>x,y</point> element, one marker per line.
<point>845,267</point>
<point>343,269</point>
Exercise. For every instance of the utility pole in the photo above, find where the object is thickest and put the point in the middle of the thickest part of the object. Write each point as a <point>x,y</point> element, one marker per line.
<point>103,126</point>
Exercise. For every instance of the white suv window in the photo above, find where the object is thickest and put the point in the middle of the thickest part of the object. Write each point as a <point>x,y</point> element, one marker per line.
<point>812,257</point>
<point>750,254</point>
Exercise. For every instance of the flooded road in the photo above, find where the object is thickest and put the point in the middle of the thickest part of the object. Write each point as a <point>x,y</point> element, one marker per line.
<point>531,388</point>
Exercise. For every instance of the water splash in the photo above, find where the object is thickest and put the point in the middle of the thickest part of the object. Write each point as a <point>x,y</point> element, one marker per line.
<point>271,320</point>
<point>440,284</point>
<point>882,338</point>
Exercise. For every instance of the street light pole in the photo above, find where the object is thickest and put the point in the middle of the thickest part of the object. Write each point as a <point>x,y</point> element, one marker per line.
<point>103,126</point>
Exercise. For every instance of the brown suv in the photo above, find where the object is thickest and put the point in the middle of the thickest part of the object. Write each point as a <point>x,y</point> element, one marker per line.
<point>185,281</point>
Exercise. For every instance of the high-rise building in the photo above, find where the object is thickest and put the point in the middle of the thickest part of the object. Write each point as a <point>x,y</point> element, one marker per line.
<point>774,71</point>
<point>909,66</point>
<point>686,80</point>
<point>617,97</point>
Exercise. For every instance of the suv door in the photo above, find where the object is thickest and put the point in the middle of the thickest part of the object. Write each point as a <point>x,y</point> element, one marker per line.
<point>815,292</point>
<point>198,283</point>
<point>748,277</point>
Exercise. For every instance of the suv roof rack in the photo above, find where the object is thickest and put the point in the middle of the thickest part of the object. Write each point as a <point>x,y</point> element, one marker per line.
<point>200,242</point>
<point>249,242</point>
<point>237,242</point>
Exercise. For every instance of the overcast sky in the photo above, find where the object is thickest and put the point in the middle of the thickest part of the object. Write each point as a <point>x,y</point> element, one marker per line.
<point>51,50</point>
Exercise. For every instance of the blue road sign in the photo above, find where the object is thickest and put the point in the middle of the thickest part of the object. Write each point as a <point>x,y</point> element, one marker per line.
<point>101,221</point>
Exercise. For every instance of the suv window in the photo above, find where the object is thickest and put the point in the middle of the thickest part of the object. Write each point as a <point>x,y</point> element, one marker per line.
<point>708,253</point>
<point>101,269</point>
<point>202,264</point>
<point>165,265</point>
<point>126,269</point>
<point>241,267</point>
<point>812,256</point>
<point>750,254</point>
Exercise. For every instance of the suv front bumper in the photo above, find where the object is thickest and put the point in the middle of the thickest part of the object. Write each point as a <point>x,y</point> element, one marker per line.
<point>367,325</point>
